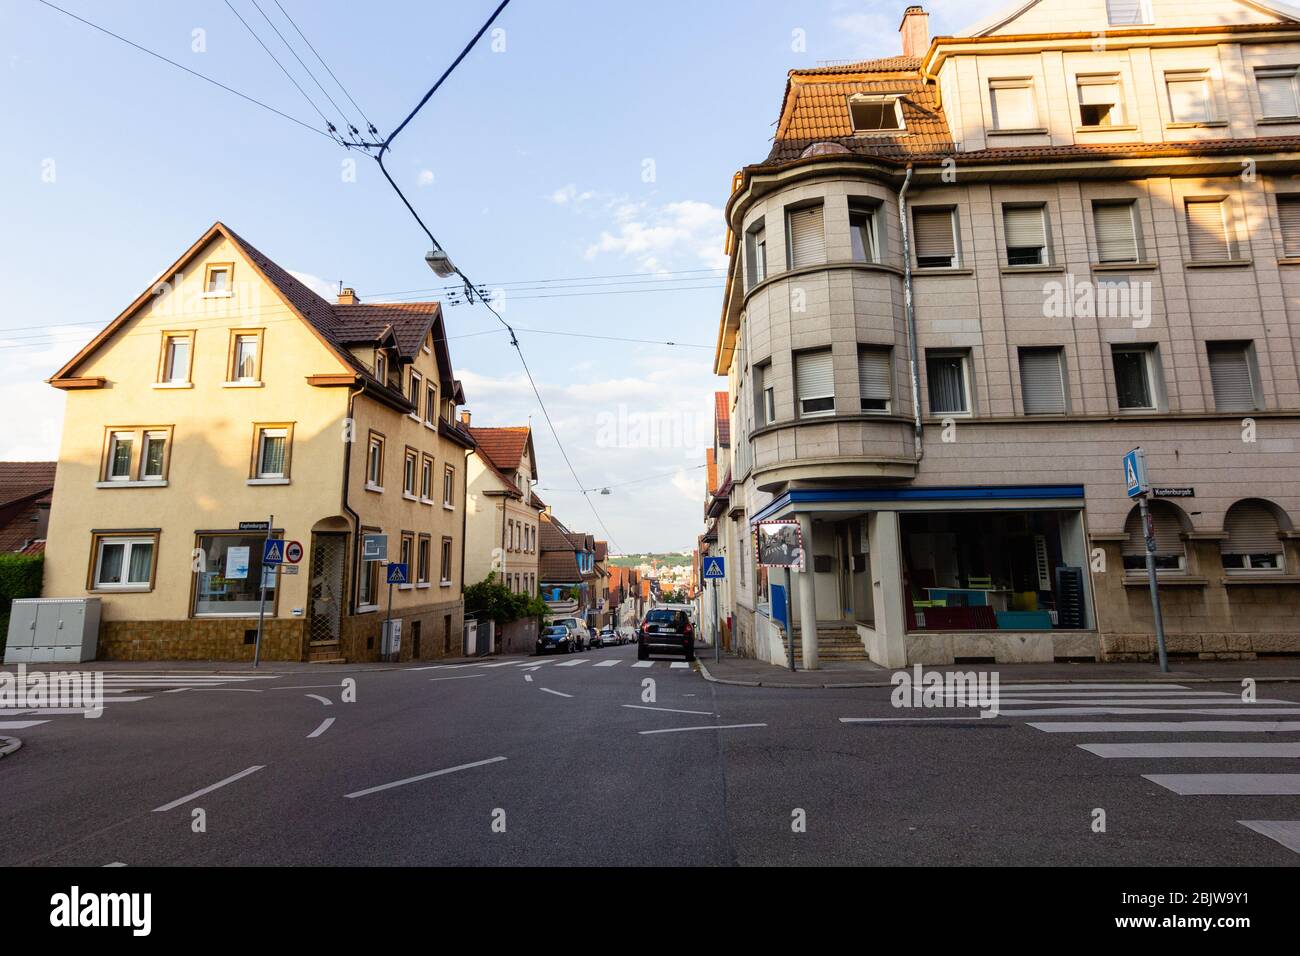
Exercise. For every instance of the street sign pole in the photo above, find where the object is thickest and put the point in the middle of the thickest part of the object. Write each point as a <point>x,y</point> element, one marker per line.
<point>1153,582</point>
<point>388,623</point>
<point>717,637</point>
<point>261,601</point>
<point>789,619</point>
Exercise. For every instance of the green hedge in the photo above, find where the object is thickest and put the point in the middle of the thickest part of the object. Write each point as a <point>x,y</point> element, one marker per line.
<point>20,577</point>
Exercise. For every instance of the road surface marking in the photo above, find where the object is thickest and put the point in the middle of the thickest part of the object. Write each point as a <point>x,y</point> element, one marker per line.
<point>458,677</point>
<point>1193,750</point>
<point>502,664</point>
<point>324,700</point>
<point>106,865</point>
<point>1285,832</point>
<point>644,664</point>
<point>181,690</point>
<point>423,776</point>
<point>438,667</point>
<point>904,720</point>
<point>1141,701</point>
<point>570,664</point>
<point>198,793</point>
<point>1227,784</point>
<point>669,710</point>
<point>529,678</point>
<point>609,663</point>
<point>20,724</point>
<point>555,692</point>
<point>325,725</point>
<point>680,664</point>
<point>1120,711</point>
<point>1170,727</point>
<point>309,687</point>
<point>229,690</point>
<point>682,730</point>
<point>1078,688</point>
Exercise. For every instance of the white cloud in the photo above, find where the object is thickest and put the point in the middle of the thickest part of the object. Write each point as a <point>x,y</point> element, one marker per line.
<point>425,178</point>
<point>569,194</point>
<point>325,289</point>
<point>664,237</point>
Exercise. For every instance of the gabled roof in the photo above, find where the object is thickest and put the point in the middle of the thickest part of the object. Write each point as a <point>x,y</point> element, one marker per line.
<point>505,447</point>
<point>20,480</point>
<point>602,550</point>
<point>722,418</point>
<point>1011,12</point>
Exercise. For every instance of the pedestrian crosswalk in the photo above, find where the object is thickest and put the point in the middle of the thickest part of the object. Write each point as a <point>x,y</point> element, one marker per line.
<point>1212,742</point>
<point>117,688</point>
<point>567,661</point>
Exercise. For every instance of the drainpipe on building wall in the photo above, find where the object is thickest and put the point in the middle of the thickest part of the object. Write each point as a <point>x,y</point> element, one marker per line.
<point>911,315</point>
<point>347,471</point>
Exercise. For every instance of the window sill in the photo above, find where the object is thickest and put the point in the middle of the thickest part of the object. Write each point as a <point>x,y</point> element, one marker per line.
<point>1126,266</point>
<point>1277,121</point>
<point>120,590</point>
<point>432,426</point>
<point>415,418</point>
<point>268,481</point>
<point>377,489</point>
<point>405,587</point>
<point>953,271</point>
<point>1289,261</point>
<point>407,496</point>
<point>218,295</point>
<point>1177,579</point>
<point>1203,124</point>
<point>428,501</point>
<point>1124,128</point>
<point>241,384</point>
<point>1028,131</point>
<point>1031,270</point>
<point>424,585</point>
<point>447,507</point>
<point>147,483</point>
<point>367,608</point>
<point>1218,263</point>
<point>444,584</point>
<point>173,385</point>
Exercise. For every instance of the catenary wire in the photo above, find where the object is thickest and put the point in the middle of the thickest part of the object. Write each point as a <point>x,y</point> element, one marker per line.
<point>369,125</point>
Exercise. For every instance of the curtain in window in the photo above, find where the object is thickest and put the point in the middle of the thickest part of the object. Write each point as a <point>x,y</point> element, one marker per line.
<point>141,562</point>
<point>110,563</point>
<point>947,385</point>
<point>273,449</point>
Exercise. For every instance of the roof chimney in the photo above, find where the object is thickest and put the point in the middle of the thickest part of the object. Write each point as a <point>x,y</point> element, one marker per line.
<point>348,297</point>
<point>915,31</point>
<point>464,417</point>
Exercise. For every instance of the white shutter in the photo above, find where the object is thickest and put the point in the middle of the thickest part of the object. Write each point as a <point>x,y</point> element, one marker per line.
<point>814,375</point>
<point>807,237</point>
<point>1230,377</point>
<point>1013,106</point>
<point>873,375</point>
<point>1189,97</point>
<point>1277,94</point>
<point>1288,214</point>
<point>1169,532</point>
<point>1125,12</point>
<point>934,235</point>
<point>1207,230</point>
<point>1098,94</point>
<point>1252,529</point>
<point>1116,232</point>
<point>1026,227</point>
<point>1042,385</point>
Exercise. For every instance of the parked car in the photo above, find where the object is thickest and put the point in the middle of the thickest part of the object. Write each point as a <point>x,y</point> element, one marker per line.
<point>577,630</point>
<point>555,639</point>
<point>609,638</point>
<point>666,631</point>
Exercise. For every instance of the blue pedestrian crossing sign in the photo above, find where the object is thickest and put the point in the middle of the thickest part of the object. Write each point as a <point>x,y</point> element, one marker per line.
<point>273,551</point>
<point>398,573</point>
<point>1135,473</point>
<point>715,569</point>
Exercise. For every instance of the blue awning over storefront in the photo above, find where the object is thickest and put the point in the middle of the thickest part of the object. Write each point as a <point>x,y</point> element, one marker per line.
<point>804,499</point>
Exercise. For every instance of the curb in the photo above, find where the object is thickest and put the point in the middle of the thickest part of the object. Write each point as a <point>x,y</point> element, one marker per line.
<point>8,745</point>
<point>786,685</point>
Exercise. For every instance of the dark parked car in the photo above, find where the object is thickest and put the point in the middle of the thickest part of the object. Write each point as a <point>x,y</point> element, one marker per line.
<point>555,639</point>
<point>666,631</point>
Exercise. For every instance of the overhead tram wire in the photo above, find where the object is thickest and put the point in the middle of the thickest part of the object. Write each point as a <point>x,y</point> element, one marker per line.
<point>623,484</point>
<point>370,127</point>
<point>196,73</point>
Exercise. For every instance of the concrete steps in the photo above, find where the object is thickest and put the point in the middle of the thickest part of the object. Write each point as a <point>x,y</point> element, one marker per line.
<point>836,641</point>
<point>325,652</point>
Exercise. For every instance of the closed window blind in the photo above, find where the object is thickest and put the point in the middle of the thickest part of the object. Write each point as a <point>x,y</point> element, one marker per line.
<point>1116,232</point>
<point>935,243</point>
<point>1042,384</point>
<point>1013,106</point>
<point>1026,229</point>
<point>1169,532</point>
<point>807,237</point>
<point>1207,230</point>
<point>815,380</point>
<point>1252,529</point>
<point>1231,378</point>
<point>1189,97</point>
<point>874,380</point>
<point>1277,93</point>
<point>1127,12</point>
<point>1288,214</point>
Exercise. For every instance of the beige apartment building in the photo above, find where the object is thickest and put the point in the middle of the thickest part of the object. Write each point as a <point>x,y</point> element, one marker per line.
<point>968,279</point>
<point>228,393</point>
<point>503,515</point>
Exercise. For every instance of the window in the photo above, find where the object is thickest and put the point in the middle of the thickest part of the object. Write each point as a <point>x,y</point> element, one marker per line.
<point>1190,100</point>
<point>815,380</point>
<point>1042,381</point>
<point>406,554</point>
<point>764,395</point>
<point>1232,376</point>
<point>381,366</point>
<point>805,236</point>
<point>510,535</point>
<point>949,394</point>
<point>409,467</point>
<point>422,560</point>
<point>367,574</point>
<point>1279,96</point>
<point>862,233</point>
<point>1116,227</point>
<point>375,463</point>
<point>756,253</point>
<point>874,379</point>
<point>449,487</point>
<point>1288,214</point>
<point>1135,378</point>
<point>1100,103</point>
<point>1169,553</point>
<point>245,357</point>
<point>1013,104</point>
<point>875,114</point>
<point>153,463</point>
<point>273,445</point>
<point>120,445</point>
<point>176,351</point>
<point>446,562</point>
<point>123,563</point>
<point>414,393</point>
<point>217,281</point>
<point>1026,234</point>
<point>1252,543</point>
<point>1209,232</point>
<point>426,480</point>
<point>1123,13</point>
<point>936,238</point>
<point>229,576</point>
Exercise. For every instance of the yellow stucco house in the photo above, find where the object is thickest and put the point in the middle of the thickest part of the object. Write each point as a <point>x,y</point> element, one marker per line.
<point>227,393</point>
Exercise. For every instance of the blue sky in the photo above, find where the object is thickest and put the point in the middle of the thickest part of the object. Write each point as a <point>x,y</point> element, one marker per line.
<point>530,164</point>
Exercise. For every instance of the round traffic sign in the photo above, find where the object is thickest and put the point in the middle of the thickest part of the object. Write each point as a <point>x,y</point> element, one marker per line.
<point>293,552</point>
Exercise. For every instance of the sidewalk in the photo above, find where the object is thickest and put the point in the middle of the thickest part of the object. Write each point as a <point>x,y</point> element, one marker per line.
<point>747,672</point>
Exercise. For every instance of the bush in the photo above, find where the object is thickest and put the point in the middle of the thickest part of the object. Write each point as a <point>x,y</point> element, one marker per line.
<point>20,577</point>
<point>492,599</point>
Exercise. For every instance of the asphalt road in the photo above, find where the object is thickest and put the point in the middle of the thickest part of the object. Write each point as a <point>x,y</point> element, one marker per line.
<point>561,765</point>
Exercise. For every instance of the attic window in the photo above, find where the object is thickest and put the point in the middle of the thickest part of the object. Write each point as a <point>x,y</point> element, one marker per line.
<point>381,366</point>
<point>876,114</point>
<point>217,280</point>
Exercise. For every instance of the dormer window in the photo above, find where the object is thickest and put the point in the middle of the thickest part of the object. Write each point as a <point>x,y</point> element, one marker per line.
<point>381,366</point>
<point>217,280</point>
<point>876,114</point>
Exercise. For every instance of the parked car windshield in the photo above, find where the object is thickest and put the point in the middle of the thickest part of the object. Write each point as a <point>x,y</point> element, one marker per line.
<point>664,617</point>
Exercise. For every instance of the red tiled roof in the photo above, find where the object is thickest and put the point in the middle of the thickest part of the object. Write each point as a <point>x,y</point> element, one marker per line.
<point>23,479</point>
<point>505,446</point>
<point>711,470</point>
<point>558,567</point>
<point>722,418</point>
<point>602,550</point>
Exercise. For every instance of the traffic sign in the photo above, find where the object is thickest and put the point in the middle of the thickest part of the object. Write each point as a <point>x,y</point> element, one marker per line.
<point>397,573</point>
<point>715,569</point>
<point>293,551</point>
<point>273,551</point>
<point>374,547</point>
<point>1135,473</point>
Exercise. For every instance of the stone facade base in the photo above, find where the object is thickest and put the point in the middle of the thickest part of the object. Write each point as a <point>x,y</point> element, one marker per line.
<point>1206,647</point>
<point>213,639</point>
<point>441,633</point>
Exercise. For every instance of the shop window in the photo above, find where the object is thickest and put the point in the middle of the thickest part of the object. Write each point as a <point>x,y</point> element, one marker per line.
<point>230,577</point>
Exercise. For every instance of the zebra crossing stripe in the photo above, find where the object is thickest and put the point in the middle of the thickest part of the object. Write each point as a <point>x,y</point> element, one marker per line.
<point>607,663</point>
<point>1228,784</point>
<point>1121,711</point>
<point>1203,749</point>
<point>20,724</point>
<point>644,664</point>
<point>679,665</point>
<point>570,664</point>
<point>1285,832</point>
<point>1169,727</point>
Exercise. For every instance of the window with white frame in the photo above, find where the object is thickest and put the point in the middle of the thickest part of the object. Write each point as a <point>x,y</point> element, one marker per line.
<point>1209,230</point>
<point>876,113</point>
<point>948,383</point>
<point>176,358</point>
<point>123,563</point>
<point>1117,236</point>
<point>1026,235</point>
<point>409,470</point>
<point>446,568</point>
<point>407,553</point>
<point>862,232</point>
<point>1252,542</point>
<point>1135,377</point>
<point>430,404</point>
<point>1100,102</point>
<point>245,365</point>
<point>1191,99</point>
<point>121,447</point>
<point>764,395</point>
<point>1042,381</point>
<point>1279,92</point>
<point>1232,376</point>
<point>814,374</point>
<point>875,383</point>
<point>153,459</point>
<point>426,479</point>
<point>414,393</point>
<point>1012,104</point>
<point>1127,13</point>
<point>805,236</point>
<point>422,560</point>
<point>381,366</point>
<point>936,238</point>
<point>272,452</point>
<point>375,463</point>
<point>756,253</point>
<point>449,487</point>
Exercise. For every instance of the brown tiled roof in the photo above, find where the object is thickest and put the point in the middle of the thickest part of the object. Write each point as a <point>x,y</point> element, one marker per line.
<point>889,64</point>
<point>602,550</point>
<point>505,446</point>
<point>23,479</point>
<point>722,416</point>
<point>558,567</point>
<point>710,471</point>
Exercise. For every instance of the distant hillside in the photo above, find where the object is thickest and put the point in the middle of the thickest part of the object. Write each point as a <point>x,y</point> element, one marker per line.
<point>635,560</point>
